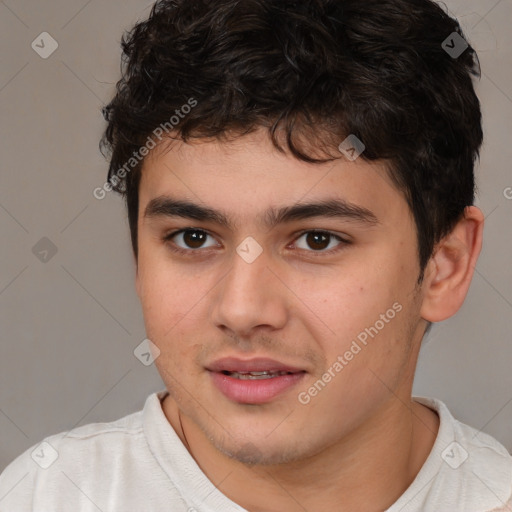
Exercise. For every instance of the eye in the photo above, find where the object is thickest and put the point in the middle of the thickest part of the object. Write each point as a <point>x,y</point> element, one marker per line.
<point>319,241</point>
<point>192,240</point>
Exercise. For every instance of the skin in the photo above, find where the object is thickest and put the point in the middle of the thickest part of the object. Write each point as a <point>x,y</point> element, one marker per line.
<point>359,443</point>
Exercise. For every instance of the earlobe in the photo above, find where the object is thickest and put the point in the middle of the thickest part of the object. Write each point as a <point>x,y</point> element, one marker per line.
<point>451,267</point>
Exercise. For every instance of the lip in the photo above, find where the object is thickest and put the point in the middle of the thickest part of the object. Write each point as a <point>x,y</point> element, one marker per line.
<point>258,364</point>
<point>253,392</point>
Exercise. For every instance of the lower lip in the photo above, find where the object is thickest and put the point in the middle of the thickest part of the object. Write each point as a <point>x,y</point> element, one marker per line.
<point>257,391</point>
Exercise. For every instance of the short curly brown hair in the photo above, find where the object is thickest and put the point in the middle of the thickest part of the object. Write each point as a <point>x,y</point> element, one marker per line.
<point>326,68</point>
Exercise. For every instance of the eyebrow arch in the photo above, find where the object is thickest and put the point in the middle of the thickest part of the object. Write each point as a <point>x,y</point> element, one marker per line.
<point>165,206</point>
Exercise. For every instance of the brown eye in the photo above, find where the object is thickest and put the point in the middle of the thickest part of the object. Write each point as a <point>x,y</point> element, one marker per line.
<point>194,239</point>
<point>191,239</point>
<point>319,241</point>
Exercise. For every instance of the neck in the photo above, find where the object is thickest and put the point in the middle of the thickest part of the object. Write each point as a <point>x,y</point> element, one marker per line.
<point>368,470</point>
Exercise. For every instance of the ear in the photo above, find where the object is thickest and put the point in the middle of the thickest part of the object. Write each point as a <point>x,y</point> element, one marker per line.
<point>451,267</point>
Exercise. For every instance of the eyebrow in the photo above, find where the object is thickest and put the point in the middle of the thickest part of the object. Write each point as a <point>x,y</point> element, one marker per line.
<point>165,206</point>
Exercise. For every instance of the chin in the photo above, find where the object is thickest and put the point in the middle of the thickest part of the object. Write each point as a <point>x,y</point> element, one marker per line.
<point>253,453</point>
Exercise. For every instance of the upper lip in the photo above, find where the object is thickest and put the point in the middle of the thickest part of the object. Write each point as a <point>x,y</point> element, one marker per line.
<point>258,364</point>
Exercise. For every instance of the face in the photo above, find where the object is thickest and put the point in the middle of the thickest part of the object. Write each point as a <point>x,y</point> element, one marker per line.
<point>280,327</point>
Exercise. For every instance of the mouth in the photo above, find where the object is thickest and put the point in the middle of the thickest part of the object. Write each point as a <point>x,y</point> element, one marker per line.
<point>255,375</point>
<point>254,381</point>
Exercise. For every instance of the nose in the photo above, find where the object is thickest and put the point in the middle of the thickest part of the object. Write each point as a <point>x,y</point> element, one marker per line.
<point>252,295</point>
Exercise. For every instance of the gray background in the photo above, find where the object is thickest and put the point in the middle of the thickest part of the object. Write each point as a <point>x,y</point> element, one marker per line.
<point>70,325</point>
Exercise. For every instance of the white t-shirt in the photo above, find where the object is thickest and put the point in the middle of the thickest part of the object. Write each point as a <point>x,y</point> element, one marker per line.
<point>139,464</point>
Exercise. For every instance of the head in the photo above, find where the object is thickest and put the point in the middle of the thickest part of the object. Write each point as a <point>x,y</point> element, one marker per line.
<point>240,109</point>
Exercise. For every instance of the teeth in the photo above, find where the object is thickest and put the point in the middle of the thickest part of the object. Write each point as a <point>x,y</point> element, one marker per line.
<point>255,375</point>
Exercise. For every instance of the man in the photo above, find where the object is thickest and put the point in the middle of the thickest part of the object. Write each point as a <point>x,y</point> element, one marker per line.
<point>299,184</point>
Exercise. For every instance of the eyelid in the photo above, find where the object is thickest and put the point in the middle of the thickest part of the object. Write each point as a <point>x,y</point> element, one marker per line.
<point>169,236</point>
<point>343,241</point>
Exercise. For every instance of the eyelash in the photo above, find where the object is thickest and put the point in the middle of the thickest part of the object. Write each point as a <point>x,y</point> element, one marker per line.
<point>191,252</point>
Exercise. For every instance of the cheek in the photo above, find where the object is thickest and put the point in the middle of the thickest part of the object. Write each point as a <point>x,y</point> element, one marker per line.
<point>172,323</point>
<point>363,317</point>
<point>172,302</point>
<point>342,304</point>
<point>160,293</point>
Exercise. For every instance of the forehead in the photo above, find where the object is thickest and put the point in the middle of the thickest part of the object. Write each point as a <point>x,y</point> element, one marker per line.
<point>248,178</point>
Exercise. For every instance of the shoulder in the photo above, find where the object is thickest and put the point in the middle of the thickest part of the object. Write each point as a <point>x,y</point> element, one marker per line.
<point>89,449</point>
<point>474,466</point>
<point>486,458</point>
